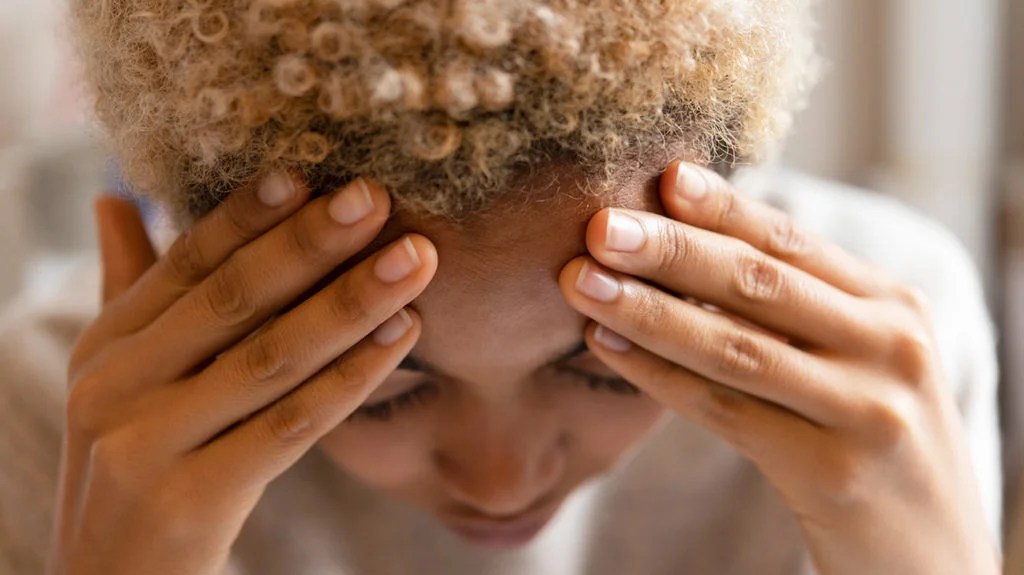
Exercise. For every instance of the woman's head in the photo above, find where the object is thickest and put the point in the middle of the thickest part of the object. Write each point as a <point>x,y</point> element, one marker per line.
<point>443,101</point>
<point>464,110</point>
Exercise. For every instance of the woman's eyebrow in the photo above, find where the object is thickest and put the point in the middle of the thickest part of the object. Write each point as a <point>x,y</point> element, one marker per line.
<point>412,363</point>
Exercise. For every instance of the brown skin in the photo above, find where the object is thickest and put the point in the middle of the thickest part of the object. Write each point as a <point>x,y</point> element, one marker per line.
<point>494,324</point>
<point>166,455</point>
<point>821,369</point>
<point>839,398</point>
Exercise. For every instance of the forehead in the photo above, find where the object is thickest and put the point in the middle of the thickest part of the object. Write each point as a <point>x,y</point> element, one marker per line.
<point>494,303</point>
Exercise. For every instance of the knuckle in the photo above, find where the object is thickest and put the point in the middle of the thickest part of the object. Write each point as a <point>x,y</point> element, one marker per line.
<point>786,238</point>
<point>115,462</point>
<point>728,202</point>
<point>910,348</point>
<point>185,260</point>
<point>264,357</point>
<point>96,339</point>
<point>914,298</point>
<point>227,296</point>
<point>721,408</point>
<point>650,313</point>
<point>758,279</point>
<point>239,222</point>
<point>664,374</point>
<point>676,246</point>
<point>289,423</point>
<point>348,306</point>
<point>80,355</point>
<point>306,243</point>
<point>888,421</point>
<point>741,356</point>
<point>350,377</point>
<point>85,411</point>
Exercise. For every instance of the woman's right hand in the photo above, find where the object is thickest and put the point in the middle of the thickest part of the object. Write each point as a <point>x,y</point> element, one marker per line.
<point>193,389</point>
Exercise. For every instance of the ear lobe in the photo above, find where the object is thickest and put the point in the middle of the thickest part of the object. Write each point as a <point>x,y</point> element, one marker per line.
<point>126,251</point>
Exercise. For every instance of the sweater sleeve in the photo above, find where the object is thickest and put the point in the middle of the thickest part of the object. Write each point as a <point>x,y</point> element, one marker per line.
<point>968,343</point>
<point>36,336</point>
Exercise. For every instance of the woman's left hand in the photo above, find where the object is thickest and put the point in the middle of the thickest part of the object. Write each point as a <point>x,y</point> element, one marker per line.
<point>819,368</point>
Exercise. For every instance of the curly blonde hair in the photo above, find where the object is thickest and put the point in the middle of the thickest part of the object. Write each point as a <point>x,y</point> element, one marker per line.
<point>443,101</point>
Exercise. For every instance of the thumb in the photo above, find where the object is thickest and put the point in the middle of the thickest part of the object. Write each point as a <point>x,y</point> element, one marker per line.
<point>126,251</point>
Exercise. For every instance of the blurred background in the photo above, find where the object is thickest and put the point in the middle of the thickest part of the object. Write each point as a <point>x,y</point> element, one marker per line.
<point>923,100</point>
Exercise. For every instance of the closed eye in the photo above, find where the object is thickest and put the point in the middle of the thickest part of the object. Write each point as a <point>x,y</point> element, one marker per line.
<point>602,383</point>
<point>579,364</point>
<point>385,409</point>
<point>423,393</point>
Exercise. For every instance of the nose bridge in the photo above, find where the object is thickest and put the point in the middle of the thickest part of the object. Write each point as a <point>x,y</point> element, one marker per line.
<point>499,459</point>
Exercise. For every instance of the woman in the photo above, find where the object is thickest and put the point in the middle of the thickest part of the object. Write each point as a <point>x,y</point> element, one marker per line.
<point>437,294</point>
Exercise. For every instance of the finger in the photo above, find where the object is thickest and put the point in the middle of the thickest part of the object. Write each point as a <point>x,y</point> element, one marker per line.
<point>774,437</point>
<point>706,343</point>
<point>126,251</point>
<point>704,199</point>
<point>243,216</point>
<point>261,369</point>
<point>729,274</point>
<point>262,277</point>
<point>255,452</point>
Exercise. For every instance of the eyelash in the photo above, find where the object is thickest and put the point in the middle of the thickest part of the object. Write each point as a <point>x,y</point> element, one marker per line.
<point>385,410</point>
<point>599,383</point>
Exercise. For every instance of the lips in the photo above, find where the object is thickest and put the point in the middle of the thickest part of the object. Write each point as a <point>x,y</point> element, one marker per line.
<point>505,534</point>
<point>500,537</point>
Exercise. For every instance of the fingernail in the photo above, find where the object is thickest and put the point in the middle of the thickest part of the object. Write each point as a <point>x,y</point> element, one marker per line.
<point>597,284</point>
<point>396,264</point>
<point>393,329</point>
<point>624,233</point>
<point>690,182</point>
<point>276,189</point>
<point>611,340</point>
<point>351,204</point>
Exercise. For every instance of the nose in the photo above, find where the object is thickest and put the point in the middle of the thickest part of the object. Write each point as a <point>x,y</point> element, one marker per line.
<point>498,465</point>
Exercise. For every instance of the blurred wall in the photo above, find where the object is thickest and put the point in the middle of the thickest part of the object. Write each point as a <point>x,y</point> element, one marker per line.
<point>29,69</point>
<point>24,58</point>
<point>909,106</point>
<point>48,166</point>
<point>839,134</point>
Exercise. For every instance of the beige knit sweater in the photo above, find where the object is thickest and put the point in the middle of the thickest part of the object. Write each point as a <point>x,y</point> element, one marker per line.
<point>686,503</point>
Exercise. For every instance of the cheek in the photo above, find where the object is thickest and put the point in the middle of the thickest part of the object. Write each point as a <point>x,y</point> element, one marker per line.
<point>387,455</point>
<point>605,426</point>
